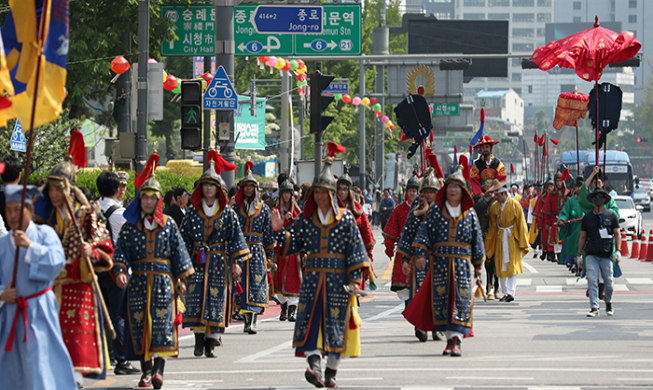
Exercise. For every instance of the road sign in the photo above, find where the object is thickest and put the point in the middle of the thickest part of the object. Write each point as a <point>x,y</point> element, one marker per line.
<point>288,19</point>
<point>446,109</point>
<point>341,87</point>
<point>194,29</point>
<point>220,94</point>
<point>446,143</point>
<point>341,34</point>
<point>18,142</point>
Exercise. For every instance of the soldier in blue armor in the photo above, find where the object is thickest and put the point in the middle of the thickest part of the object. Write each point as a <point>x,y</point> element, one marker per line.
<point>327,318</point>
<point>217,248</point>
<point>151,246</point>
<point>429,187</point>
<point>254,218</point>
<point>451,237</point>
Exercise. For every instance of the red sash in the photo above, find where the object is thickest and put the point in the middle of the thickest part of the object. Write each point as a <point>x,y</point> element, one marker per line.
<point>21,308</point>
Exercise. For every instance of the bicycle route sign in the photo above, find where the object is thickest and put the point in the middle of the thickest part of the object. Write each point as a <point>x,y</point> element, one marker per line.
<point>220,94</point>
<point>18,142</point>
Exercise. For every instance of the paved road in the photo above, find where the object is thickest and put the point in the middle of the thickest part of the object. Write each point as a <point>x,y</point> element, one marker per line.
<point>542,340</point>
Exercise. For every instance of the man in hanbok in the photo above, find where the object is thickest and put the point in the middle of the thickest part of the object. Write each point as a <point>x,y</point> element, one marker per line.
<point>217,249</point>
<point>507,241</point>
<point>552,206</point>
<point>451,237</point>
<point>151,246</point>
<point>254,218</point>
<point>429,187</point>
<point>33,355</point>
<point>81,317</point>
<point>487,167</point>
<point>288,272</point>
<point>538,215</point>
<point>327,319</point>
<point>569,222</point>
<point>392,233</point>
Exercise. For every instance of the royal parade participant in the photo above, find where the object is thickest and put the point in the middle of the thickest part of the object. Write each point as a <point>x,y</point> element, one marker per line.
<point>554,202</point>
<point>151,248</point>
<point>217,249</point>
<point>327,319</point>
<point>487,167</point>
<point>254,218</point>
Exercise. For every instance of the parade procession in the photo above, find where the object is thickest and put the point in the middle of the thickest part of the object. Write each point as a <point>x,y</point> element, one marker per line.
<point>206,231</point>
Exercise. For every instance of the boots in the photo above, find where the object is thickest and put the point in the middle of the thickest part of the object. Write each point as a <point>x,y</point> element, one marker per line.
<point>330,378</point>
<point>449,347</point>
<point>252,329</point>
<point>543,255</point>
<point>146,376</point>
<point>437,336</point>
<point>157,373</point>
<point>209,346</point>
<point>199,344</point>
<point>313,373</point>
<point>291,313</point>
<point>284,310</point>
<point>455,347</point>
<point>421,335</point>
<point>250,323</point>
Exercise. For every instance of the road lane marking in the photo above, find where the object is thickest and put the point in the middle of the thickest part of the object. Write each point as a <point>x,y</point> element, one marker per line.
<point>252,358</point>
<point>386,313</point>
<point>530,268</point>
<point>524,282</point>
<point>620,287</point>
<point>548,288</point>
<point>388,272</point>
<point>498,378</point>
<point>639,280</point>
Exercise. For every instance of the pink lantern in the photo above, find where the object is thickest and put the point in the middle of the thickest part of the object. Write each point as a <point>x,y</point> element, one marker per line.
<point>356,101</point>
<point>385,119</point>
<point>272,61</point>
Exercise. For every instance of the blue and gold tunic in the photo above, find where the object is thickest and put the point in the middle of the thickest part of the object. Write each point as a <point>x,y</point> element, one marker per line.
<point>454,246</point>
<point>209,296</point>
<point>257,231</point>
<point>157,258</point>
<point>335,256</point>
<point>405,247</point>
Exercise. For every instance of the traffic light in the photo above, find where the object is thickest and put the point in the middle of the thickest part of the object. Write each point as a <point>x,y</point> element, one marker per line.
<point>191,114</point>
<point>319,103</point>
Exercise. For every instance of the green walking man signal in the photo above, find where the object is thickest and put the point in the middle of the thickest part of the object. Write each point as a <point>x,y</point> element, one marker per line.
<point>191,115</point>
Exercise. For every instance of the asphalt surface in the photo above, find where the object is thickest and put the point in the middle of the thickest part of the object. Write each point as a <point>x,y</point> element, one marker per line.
<point>543,340</point>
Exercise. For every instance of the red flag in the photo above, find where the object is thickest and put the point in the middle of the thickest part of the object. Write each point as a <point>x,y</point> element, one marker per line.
<point>564,175</point>
<point>555,141</point>
<point>512,168</point>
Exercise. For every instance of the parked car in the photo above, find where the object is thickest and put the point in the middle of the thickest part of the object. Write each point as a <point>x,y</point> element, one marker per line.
<point>642,197</point>
<point>630,217</point>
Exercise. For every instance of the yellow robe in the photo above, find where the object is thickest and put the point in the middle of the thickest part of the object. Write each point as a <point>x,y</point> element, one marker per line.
<point>512,216</point>
<point>533,231</point>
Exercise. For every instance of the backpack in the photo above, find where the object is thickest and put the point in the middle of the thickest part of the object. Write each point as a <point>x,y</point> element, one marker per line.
<point>106,215</point>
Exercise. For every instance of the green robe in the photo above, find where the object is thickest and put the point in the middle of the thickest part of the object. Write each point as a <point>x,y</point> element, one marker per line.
<point>570,232</point>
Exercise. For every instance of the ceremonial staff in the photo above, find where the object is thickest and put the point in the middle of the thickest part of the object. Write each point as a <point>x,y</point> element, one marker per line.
<point>525,159</point>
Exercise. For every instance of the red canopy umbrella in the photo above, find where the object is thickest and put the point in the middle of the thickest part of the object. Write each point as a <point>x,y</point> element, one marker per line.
<point>588,52</point>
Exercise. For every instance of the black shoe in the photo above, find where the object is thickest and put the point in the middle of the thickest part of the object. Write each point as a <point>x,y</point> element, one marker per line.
<point>284,312</point>
<point>237,317</point>
<point>157,373</point>
<point>509,298</point>
<point>199,345</point>
<point>146,376</point>
<point>601,291</point>
<point>313,373</point>
<point>455,347</point>
<point>252,328</point>
<point>209,346</point>
<point>448,348</point>
<point>551,257</point>
<point>247,319</point>
<point>125,368</point>
<point>437,336</point>
<point>503,298</point>
<point>291,313</point>
<point>543,255</point>
<point>330,378</point>
<point>421,335</point>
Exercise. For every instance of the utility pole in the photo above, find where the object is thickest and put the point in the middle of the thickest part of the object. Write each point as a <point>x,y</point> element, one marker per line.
<point>123,95</point>
<point>206,144</point>
<point>142,110</point>
<point>284,148</point>
<point>361,127</point>
<point>318,135</point>
<point>380,44</point>
<point>225,48</point>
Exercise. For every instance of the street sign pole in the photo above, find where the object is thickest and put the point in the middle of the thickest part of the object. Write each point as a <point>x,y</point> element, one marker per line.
<point>361,129</point>
<point>284,148</point>
<point>207,122</point>
<point>224,55</point>
<point>143,56</point>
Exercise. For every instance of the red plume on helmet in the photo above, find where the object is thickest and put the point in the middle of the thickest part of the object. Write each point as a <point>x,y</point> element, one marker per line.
<point>462,160</point>
<point>428,151</point>
<point>77,149</point>
<point>334,149</point>
<point>212,155</point>
<point>433,162</point>
<point>150,167</point>
<point>564,175</point>
<point>249,166</point>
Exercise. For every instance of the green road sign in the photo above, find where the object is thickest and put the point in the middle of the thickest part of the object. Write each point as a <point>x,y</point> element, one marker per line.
<point>342,35</point>
<point>194,31</point>
<point>446,109</point>
<point>250,43</point>
<point>446,143</point>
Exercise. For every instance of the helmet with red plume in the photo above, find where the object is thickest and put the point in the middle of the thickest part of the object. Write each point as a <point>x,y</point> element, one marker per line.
<point>433,162</point>
<point>211,175</point>
<point>75,160</point>
<point>147,181</point>
<point>249,175</point>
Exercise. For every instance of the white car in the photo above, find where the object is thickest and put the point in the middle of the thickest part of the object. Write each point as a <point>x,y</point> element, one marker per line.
<point>630,216</point>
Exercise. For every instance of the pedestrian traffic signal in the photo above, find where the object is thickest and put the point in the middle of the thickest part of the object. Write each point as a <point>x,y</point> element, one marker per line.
<point>319,82</point>
<point>191,114</point>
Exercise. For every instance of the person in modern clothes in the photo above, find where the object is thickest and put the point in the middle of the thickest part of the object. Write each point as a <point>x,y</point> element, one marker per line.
<point>598,230</point>
<point>122,189</point>
<point>178,210</point>
<point>387,205</point>
<point>33,355</point>
<point>507,241</point>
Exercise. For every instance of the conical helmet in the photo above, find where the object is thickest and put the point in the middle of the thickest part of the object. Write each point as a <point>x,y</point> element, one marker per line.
<point>325,180</point>
<point>413,182</point>
<point>345,178</point>
<point>286,186</point>
<point>249,176</point>
<point>458,177</point>
<point>64,171</point>
<point>429,181</point>
<point>152,184</point>
<point>147,180</point>
<point>211,175</point>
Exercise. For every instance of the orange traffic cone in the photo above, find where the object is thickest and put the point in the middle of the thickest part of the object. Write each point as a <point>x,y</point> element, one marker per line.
<point>649,252</point>
<point>643,247</point>
<point>634,252</point>
<point>624,244</point>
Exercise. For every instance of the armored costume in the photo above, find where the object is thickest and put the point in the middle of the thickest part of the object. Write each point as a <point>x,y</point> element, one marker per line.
<point>392,233</point>
<point>327,319</point>
<point>288,272</point>
<point>152,247</point>
<point>80,314</point>
<point>214,241</point>
<point>254,218</point>
<point>486,168</point>
<point>551,209</point>
<point>451,237</point>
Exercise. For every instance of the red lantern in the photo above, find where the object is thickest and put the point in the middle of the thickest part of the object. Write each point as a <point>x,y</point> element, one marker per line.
<point>207,76</point>
<point>120,65</point>
<point>263,59</point>
<point>346,98</point>
<point>300,64</point>
<point>287,67</point>
<point>170,83</point>
<point>379,113</point>
<point>373,101</point>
